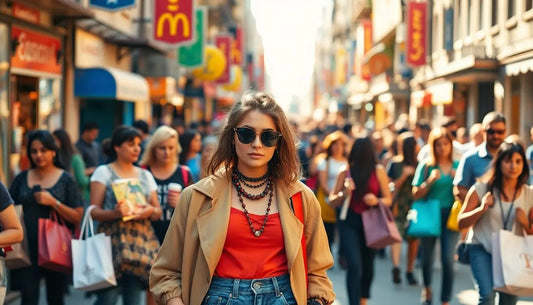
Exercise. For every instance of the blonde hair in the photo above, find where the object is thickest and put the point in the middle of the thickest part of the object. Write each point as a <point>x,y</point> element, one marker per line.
<point>161,134</point>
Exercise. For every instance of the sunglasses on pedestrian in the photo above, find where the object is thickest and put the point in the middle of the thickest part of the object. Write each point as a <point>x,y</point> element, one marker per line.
<point>246,135</point>
<point>492,132</point>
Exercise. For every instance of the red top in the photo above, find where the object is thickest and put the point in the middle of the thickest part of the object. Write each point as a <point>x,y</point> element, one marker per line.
<point>357,204</point>
<point>248,257</point>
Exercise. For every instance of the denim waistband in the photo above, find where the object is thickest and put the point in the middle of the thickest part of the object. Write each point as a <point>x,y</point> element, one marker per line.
<point>277,285</point>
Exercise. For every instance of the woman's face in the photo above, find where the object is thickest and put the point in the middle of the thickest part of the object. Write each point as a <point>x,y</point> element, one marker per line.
<point>165,151</point>
<point>254,156</point>
<point>129,151</point>
<point>443,148</point>
<point>512,167</point>
<point>337,148</point>
<point>196,144</point>
<point>40,155</point>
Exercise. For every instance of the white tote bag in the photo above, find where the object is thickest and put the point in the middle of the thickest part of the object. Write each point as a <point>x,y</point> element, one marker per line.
<point>512,263</point>
<point>91,258</point>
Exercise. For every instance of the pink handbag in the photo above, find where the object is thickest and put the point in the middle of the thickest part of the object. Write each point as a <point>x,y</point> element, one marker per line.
<point>380,228</point>
<point>54,242</point>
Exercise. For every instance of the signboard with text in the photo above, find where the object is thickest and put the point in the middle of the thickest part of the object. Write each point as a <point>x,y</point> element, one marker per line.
<point>35,52</point>
<point>23,12</point>
<point>112,5</point>
<point>223,43</point>
<point>192,56</point>
<point>416,33</point>
<point>173,21</point>
<point>237,47</point>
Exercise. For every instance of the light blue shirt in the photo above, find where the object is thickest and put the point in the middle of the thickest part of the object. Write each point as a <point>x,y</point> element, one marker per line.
<point>473,165</point>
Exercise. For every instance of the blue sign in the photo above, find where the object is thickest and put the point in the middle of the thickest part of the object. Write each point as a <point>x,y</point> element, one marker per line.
<point>112,5</point>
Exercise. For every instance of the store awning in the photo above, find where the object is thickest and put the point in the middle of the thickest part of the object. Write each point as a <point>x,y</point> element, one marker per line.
<point>519,67</point>
<point>110,83</point>
<point>64,8</point>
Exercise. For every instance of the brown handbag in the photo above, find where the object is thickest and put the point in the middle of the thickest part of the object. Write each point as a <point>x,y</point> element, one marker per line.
<point>54,240</point>
<point>18,256</point>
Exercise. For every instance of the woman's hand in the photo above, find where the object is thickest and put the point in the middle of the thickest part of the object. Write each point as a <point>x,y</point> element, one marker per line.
<point>123,208</point>
<point>487,201</point>
<point>175,301</point>
<point>370,199</point>
<point>45,198</point>
<point>144,211</point>
<point>434,176</point>
<point>173,198</point>
<point>524,221</point>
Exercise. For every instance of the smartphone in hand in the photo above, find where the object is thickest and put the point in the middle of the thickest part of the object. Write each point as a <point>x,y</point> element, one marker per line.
<point>36,188</point>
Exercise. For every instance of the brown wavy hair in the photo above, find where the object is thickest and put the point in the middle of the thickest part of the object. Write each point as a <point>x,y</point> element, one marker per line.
<point>435,135</point>
<point>284,165</point>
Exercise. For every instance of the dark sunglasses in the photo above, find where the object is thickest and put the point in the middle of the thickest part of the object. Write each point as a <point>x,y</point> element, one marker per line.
<point>495,131</point>
<point>246,135</point>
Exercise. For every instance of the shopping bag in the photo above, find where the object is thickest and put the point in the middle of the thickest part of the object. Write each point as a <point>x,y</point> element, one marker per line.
<point>380,228</point>
<point>19,257</point>
<point>453,222</point>
<point>326,211</point>
<point>512,263</point>
<point>92,263</point>
<point>54,244</point>
<point>424,218</point>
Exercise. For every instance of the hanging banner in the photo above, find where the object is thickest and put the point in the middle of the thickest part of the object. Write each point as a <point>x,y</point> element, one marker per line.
<point>192,56</point>
<point>236,46</point>
<point>223,43</point>
<point>367,45</point>
<point>416,33</point>
<point>112,5</point>
<point>173,21</point>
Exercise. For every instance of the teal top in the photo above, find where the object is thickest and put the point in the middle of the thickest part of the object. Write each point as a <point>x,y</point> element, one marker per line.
<point>442,189</point>
<point>77,167</point>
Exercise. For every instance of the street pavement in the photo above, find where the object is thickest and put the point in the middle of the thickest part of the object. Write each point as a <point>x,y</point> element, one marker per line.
<point>383,292</point>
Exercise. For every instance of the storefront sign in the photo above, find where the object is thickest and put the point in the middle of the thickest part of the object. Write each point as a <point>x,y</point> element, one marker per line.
<point>223,43</point>
<point>416,33</point>
<point>112,5</point>
<point>215,64</point>
<point>25,13</point>
<point>36,51</point>
<point>173,21</point>
<point>367,45</point>
<point>90,50</point>
<point>192,56</point>
<point>236,47</point>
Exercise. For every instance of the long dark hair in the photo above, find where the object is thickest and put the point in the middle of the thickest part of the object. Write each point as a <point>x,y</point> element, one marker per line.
<point>363,163</point>
<point>48,141</point>
<point>409,151</point>
<point>505,152</point>
<point>185,143</point>
<point>66,150</point>
<point>285,160</point>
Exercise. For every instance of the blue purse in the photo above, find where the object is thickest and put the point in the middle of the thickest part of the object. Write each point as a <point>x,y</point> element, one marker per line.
<point>424,216</point>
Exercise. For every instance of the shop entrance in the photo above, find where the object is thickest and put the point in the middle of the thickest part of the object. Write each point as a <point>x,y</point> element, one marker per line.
<point>24,116</point>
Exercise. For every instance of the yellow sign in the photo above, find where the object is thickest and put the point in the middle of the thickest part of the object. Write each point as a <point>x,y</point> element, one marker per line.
<point>215,63</point>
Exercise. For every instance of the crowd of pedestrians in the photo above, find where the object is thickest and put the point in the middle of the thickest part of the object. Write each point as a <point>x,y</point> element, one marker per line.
<point>243,192</point>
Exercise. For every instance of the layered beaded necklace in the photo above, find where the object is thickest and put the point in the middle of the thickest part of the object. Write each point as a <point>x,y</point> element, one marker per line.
<point>238,178</point>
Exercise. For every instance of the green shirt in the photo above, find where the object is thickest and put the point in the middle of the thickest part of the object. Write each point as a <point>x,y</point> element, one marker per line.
<point>442,189</point>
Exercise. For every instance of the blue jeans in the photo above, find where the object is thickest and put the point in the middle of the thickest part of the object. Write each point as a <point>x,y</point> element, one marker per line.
<point>359,257</point>
<point>448,242</point>
<point>267,291</point>
<point>129,286</point>
<point>481,266</point>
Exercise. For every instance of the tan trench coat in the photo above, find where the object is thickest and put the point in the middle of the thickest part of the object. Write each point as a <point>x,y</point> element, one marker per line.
<point>193,244</point>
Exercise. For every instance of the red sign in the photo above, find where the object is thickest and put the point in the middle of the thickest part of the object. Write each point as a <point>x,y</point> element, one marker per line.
<point>223,43</point>
<point>23,12</point>
<point>36,51</point>
<point>236,48</point>
<point>416,33</point>
<point>173,21</point>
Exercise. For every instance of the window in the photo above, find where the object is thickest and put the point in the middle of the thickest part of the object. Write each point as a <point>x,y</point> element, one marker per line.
<point>510,8</point>
<point>529,5</point>
<point>494,16</point>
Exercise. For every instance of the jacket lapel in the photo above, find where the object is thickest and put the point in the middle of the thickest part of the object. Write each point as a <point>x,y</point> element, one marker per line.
<point>213,222</point>
<point>291,225</point>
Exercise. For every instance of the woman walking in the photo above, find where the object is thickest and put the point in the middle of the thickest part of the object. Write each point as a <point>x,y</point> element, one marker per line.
<point>248,204</point>
<point>433,180</point>
<point>493,204</point>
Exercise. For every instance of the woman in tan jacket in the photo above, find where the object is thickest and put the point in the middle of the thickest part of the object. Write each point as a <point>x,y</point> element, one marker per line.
<point>235,233</point>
